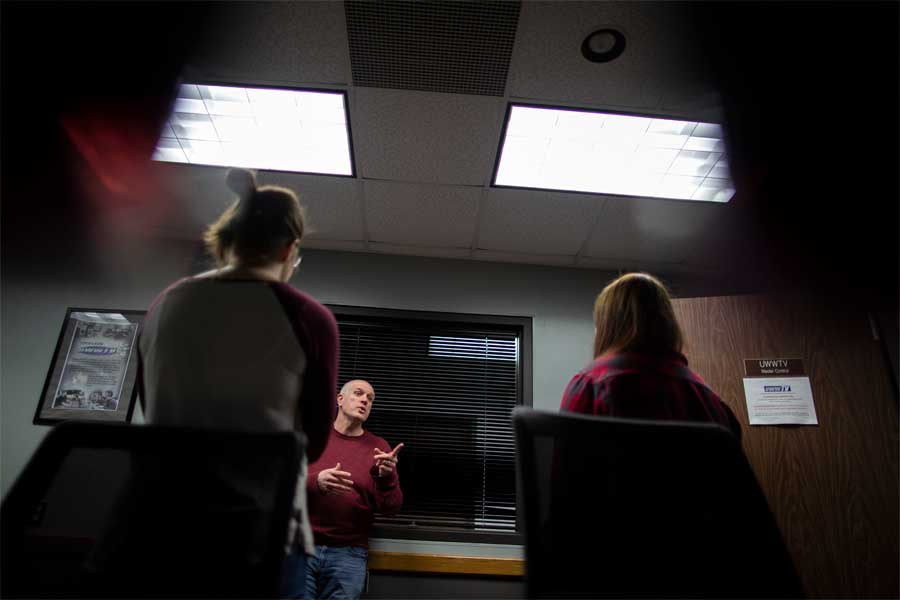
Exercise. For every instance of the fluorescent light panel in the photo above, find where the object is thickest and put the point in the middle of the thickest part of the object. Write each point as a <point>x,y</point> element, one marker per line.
<point>275,129</point>
<point>603,153</point>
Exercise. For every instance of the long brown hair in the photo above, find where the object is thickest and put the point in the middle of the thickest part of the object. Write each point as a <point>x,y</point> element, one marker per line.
<point>634,314</point>
<point>262,220</point>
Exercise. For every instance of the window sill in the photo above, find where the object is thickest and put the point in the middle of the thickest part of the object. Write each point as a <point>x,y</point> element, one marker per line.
<point>437,557</point>
<point>445,564</point>
<point>436,534</point>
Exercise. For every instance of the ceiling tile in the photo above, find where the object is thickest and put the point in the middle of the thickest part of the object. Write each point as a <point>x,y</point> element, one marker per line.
<point>332,203</point>
<point>425,137</point>
<point>649,229</point>
<point>427,148</point>
<point>348,246</point>
<point>451,47</point>
<point>625,264</point>
<point>674,275</point>
<point>547,63</point>
<point>531,259</point>
<point>423,215</point>
<point>702,101</point>
<point>536,222</point>
<point>194,196</point>
<point>728,244</point>
<point>419,250</point>
<point>199,195</point>
<point>277,42</point>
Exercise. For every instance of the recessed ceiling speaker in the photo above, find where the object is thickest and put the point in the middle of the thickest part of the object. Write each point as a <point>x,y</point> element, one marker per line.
<point>603,45</point>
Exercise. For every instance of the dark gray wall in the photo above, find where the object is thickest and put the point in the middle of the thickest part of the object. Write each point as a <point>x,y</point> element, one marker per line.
<point>34,300</point>
<point>35,297</point>
<point>128,275</point>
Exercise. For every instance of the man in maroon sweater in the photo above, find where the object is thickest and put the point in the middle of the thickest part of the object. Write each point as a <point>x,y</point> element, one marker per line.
<point>355,477</point>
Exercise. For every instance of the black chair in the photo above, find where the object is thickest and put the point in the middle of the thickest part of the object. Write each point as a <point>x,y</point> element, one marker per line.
<point>637,508</point>
<point>119,511</point>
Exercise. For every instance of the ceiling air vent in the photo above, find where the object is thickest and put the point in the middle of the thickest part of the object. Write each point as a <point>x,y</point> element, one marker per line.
<point>451,47</point>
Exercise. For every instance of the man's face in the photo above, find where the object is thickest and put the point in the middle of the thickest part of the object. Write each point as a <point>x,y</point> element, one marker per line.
<point>356,400</point>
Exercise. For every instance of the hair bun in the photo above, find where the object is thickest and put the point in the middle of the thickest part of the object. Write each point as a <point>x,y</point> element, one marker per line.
<point>241,181</point>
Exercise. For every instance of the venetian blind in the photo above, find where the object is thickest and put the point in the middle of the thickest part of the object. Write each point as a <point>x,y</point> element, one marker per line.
<point>446,390</point>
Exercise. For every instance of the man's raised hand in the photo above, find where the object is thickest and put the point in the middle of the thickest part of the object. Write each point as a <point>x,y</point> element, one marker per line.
<point>386,462</point>
<point>334,481</point>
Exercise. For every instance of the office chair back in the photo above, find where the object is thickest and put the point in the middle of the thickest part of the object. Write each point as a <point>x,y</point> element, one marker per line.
<point>637,508</point>
<point>158,511</point>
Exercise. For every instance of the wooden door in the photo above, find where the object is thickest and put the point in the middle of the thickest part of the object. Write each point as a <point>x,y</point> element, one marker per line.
<point>833,487</point>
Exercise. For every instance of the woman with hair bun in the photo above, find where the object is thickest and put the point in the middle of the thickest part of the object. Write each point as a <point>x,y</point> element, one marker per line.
<point>239,348</point>
<point>638,369</point>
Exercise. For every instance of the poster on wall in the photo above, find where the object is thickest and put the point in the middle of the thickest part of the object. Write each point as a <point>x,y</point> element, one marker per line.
<point>778,392</point>
<point>93,373</point>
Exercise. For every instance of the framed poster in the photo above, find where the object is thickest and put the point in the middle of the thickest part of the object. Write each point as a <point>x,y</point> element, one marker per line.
<point>93,373</point>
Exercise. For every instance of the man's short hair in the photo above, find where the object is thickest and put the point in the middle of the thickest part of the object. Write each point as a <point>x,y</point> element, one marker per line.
<point>346,387</point>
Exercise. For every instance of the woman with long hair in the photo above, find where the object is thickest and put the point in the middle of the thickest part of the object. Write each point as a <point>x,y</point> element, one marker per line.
<point>239,348</point>
<point>638,369</point>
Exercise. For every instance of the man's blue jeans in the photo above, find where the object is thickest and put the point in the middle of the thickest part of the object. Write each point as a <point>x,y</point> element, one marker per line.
<point>336,573</point>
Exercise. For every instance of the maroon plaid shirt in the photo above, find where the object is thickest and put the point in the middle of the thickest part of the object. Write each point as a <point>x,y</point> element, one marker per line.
<point>637,386</point>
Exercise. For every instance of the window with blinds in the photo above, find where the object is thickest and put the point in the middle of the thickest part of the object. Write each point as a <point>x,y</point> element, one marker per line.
<point>445,386</point>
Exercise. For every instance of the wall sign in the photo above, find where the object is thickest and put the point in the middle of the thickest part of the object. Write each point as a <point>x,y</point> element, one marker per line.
<point>93,373</point>
<point>778,392</point>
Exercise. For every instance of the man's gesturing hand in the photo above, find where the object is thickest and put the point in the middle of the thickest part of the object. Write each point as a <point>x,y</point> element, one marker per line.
<point>386,461</point>
<point>335,481</point>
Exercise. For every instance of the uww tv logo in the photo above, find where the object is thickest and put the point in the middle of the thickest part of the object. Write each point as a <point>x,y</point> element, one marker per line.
<point>777,388</point>
<point>98,350</point>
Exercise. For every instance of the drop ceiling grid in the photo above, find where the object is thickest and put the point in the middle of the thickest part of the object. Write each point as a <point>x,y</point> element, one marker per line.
<point>425,137</point>
<point>553,260</point>
<point>649,229</point>
<point>336,245</point>
<point>479,216</point>
<point>449,142</point>
<point>619,265</point>
<point>422,215</point>
<point>547,63</point>
<point>416,250</point>
<point>449,47</point>
<point>200,194</point>
<point>279,43</point>
<point>725,242</point>
<point>352,104</point>
<point>617,237</point>
<point>332,203</point>
<point>537,222</point>
<point>598,214</point>
<point>500,116</point>
<point>361,194</point>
